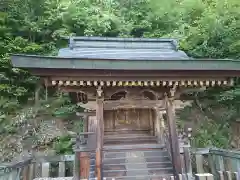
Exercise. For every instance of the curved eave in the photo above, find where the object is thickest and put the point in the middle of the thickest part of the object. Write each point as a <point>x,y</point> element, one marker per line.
<point>52,62</point>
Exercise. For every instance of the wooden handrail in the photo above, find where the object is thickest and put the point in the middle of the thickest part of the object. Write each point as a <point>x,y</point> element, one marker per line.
<point>216,160</point>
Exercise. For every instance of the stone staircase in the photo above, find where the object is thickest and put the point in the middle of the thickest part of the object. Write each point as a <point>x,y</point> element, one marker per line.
<point>135,156</point>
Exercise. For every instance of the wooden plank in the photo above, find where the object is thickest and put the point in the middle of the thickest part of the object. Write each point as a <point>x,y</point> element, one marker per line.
<point>211,161</point>
<point>219,162</point>
<point>221,177</point>
<point>38,170</point>
<point>31,171</point>
<point>92,113</point>
<point>82,74</point>
<point>199,163</point>
<point>110,104</point>
<point>187,160</point>
<point>84,165</point>
<point>45,169</point>
<point>42,159</point>
<point>229,175</point>
<point>26,171</point>
<point>137,146</point>
<point>204,176</point>
<point>61,169</point>
<point>225,153</point>
<point>76,166</point>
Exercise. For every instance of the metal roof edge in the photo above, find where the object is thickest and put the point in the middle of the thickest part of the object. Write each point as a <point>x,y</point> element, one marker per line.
<point>99,38</point>
<point>76,58</point>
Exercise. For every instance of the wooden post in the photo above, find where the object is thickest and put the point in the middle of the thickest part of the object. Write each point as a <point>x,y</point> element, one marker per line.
<point>46,89</point>
<point>173,137</point>
<point>158,126</point>
<point>187,160</point>
<point>84,161</point>
<point>199,163</point>
<point>100,131</point>
<point>76,168</point>
<point>37,91</point>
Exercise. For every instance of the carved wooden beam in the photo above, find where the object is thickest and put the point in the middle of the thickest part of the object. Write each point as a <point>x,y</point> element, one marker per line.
<point>149,83</point>
<point>118,104</point>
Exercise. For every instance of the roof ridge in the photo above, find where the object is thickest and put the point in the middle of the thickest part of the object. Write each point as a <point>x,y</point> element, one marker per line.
<point>155,41</point>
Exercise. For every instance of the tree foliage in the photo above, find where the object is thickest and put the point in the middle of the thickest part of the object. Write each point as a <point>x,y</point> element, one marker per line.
<point>204,28</point>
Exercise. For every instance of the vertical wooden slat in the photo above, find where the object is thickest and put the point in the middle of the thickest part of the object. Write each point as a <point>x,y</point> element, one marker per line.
<point>221,177</point>
<point>38,170</point>
<point>76,166</point>
<point>158,126</point>
<point>37,91</point>
<point>229,175</point>
<point>84,165</point>
<point>199,163</point>
<point>187,160</point>
<point>14,175</point>
<point>211,160</point>
<point>61,169</point>
<point>220,163</point>
<point>31,171</point>
<point>26,171</point>
<point>45,169</point>
<point>235,175</point>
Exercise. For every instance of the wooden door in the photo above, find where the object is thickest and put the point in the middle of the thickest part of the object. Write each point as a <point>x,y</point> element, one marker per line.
<point>128,119</point>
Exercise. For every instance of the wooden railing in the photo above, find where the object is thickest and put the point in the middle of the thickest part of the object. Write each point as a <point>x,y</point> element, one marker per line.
<point>41,167</point>
<point>166,142</point>
<point>85,155</point>
<point>219,162</point>
<point>35,167</point>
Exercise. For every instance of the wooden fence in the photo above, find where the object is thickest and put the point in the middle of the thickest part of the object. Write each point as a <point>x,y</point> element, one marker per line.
<point>36,167</point>
<point>222,164</point>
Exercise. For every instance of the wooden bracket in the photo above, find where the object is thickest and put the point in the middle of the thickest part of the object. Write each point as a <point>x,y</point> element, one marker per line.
<point>99,91</point>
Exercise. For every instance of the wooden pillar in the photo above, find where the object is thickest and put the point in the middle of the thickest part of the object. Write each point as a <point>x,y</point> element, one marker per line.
<point>162,125</point>
<point>157,126</point>
<point>173,136</point>
<point>46,89</point>
<point>84,163</point>
<point>37,91</point>
<point>100,133</point>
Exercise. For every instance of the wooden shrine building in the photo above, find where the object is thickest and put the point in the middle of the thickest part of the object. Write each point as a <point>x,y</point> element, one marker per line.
<point>129,83</point>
